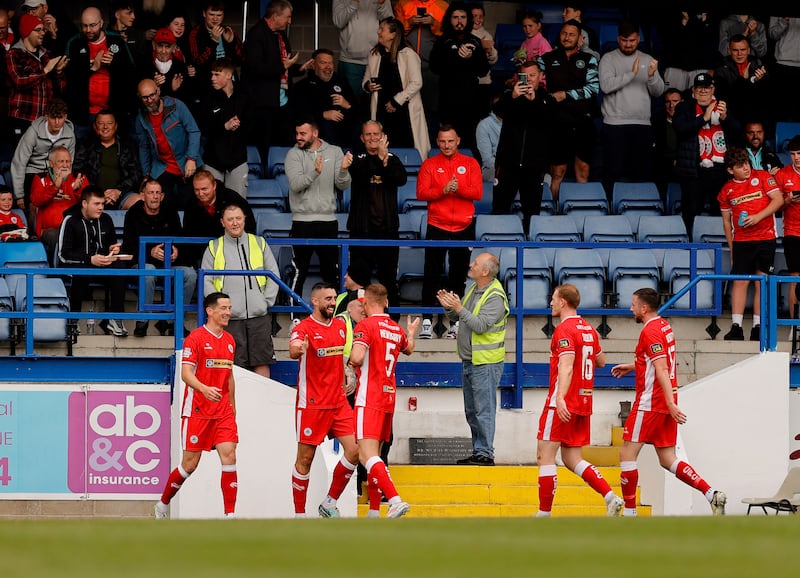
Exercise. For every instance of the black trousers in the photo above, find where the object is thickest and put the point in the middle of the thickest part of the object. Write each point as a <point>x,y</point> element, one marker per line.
<point>458,264</point>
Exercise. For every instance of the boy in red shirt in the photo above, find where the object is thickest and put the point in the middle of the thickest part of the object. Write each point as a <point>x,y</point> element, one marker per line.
<point>748,203</point>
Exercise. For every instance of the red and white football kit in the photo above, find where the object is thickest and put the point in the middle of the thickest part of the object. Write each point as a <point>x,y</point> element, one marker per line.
<point>788,180</point>
<point>572,336</point>
<point>321,407</point>
<point>384,340</point>
<point>650,420</point>
<point>750,196</point>
<point>207,423</point>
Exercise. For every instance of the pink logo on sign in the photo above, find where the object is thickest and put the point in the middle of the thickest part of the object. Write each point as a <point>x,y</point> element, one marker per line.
<point>118,442</point>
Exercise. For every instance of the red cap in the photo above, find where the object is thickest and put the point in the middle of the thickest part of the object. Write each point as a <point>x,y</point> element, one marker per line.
<point>164,36</point>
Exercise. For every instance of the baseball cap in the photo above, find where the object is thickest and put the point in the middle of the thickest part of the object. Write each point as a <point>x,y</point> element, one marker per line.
<point>164,36</point>
<point>34,3</point>
<point>703,79</point>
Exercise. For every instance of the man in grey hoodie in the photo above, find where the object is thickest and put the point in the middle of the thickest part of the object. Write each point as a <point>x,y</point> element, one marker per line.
<point>315,170</point>
<point>251,295</point>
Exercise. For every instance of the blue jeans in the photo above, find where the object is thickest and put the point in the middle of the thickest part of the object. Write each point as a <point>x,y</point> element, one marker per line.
<point>189,282</point>
<point>354,74</point>
<point>480,403</point>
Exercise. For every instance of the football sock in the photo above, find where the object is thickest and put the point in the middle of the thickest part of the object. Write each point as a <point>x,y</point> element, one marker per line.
<point>629,481</point>
<point>685,473</point>
<point>592,476</point>
<point>377,469</point>
<point>299,491</point>
<point>174,483</point>
<point>374,494</point>
<point>230,487</point>
<point>548,482</point>
<point>341,475</point>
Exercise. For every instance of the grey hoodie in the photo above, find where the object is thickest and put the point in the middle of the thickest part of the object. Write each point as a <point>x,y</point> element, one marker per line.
<point>312,195</point>
<point>30,156</point>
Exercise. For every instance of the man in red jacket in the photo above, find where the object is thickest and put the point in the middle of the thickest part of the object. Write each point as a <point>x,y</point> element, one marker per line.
<point>451,183</point>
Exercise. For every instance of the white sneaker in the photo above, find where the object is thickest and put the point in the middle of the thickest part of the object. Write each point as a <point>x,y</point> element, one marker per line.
<point>452,333</point>
<point>718,503</point>
<point>325,512</point>
<point>615,507</point>
<point>397,509</point>
<point>158,513</point>
<point>117,327</point>
<point>426,331</point>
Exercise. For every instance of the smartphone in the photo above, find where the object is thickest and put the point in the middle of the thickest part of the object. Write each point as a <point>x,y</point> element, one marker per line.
<point>796,194</point>
<point>421,11</point>
<point>522,77</point>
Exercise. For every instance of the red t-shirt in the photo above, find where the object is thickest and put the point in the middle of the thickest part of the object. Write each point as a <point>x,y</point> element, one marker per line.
<point>655,341</point>
<point>788,180</point>
<point>162,145</point>
<point>321,377</point>
<point>212,357</point>
<point>574,335</point>
<point>100,81</point>
<point>384,340</point>
<point>750,196</point>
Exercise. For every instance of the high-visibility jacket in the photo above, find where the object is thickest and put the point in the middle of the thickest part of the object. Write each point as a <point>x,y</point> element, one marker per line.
<point>490,346</point>
<point>256,245</point>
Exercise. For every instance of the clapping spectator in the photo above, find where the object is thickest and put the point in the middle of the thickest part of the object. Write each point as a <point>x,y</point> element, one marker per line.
<point>747,25</point>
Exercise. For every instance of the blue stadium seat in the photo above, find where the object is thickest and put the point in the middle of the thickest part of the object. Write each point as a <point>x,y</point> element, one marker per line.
<point>548,204</point>
<point>588,198</point>
<point>708,229</point>
<point>275,161</point>
<point>24,254</point>
<point>118,216</point>
<point>629,270</point>
<point>558,228</point>
<point>662,229</point>
<point>499,228</point>
<point>266,194</point>
<point>784,132</point>
<point>641,198</point>
<point>410,158</point>
<point>6,305</point>
<point>49,294</point>
<point>410,272</point>
<point>537,278</point>
<point>484,205</point>
<point>272,224</point>
<point>341,218</point>
<point>409,224</point>
<point>584,269</point>
<point>607,229</point>
<point>673,199</point>
<point>676,273</point>
<point>255,166</point>
<point>407,197</point>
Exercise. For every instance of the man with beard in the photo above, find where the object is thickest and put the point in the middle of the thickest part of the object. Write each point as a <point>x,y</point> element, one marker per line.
<point>762,157</point>
<point>321,408</point>
<point>169,141</point>
<point>327,96</point>
<point>315,169</point>
<point>460,61</point>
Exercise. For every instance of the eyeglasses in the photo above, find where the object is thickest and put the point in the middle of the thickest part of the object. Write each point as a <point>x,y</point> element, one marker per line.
<point>148,96</point>
<point>39,30</point>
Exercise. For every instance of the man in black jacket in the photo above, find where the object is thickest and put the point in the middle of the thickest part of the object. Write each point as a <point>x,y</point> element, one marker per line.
<point>522,151</point>
<point>375,175</point>
<point>87,239</point>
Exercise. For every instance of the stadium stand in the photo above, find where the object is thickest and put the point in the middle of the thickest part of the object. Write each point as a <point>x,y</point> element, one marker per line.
<point>584,269</point>
<point>586,198</point>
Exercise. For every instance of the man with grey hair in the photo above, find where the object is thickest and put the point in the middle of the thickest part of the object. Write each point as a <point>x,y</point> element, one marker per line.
<point>480,343</point>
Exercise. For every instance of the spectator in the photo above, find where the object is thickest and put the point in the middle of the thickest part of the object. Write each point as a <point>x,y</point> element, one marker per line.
<point>761,156</point>
<point>376,174</point>
<point>251,295</point>
<point>481,346</point>
<point>691,36</point>
<point>785,32</point>
<point>33,76</point>
<point>589,37</point>
<point>203,214</point>
<point>169,141</point>
<point>535,44</point>
<point>451,183</point>
<point>6,34</point>
<point>268,64</point>
<point>87,239</point>
<point>57,27</point>
<point>170,73</point>
<point>460,61</point>
<point>212,40</point>
<point>746,25</point>
<point>748,203</point>
<point>321,407</point>
<point>122,21</point>
<point>788,179</point>
<point>629,80</point>
<point>101,75</point>
<point>666,141</point>
<point>572,80</point>
<point>150,217</point>
<point>227,112</point>
<point>315,169</point>
<point>327,96</point>
<point>524,144</point>
<point>742,81</point>
<point>12,223</point>
<point>52,193</point>
<point>6,41</point>
<point>30,156</point>
<point>110,162</point>
<point>394,79</point>
<point>356,21</point>
<point>487,43</point>
<point>704,130</point>
<point>487,136</point>
<point>178,23</point>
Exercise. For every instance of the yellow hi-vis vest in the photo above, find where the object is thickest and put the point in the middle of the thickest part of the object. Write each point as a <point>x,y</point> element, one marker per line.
<point>489,347</point>
<point>348,341</point>
<point>256,244</point>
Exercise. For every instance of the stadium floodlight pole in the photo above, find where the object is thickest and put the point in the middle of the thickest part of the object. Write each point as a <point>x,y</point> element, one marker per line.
<point>244,20</point>
<point>316,24</point>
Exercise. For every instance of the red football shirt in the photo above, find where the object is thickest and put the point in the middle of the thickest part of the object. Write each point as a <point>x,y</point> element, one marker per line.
<point>384,340</point>
<point>788,180</point>
<point>574,335</point>
<point>751,196</point>
<point>321,377</point>
<point>100,81</point>
<point>212,357</point>
<point>655,341</point>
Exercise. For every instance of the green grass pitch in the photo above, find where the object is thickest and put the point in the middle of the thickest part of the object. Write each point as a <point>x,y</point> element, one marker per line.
<point>705,547</point>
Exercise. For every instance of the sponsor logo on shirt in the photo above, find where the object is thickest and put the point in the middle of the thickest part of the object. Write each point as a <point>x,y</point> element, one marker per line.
<point>330,351</point>
<point>562,343</point>
<point>656,348</point>
<point>219,363</point>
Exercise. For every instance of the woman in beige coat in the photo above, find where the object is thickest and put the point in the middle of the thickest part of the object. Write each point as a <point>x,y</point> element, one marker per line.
<point>394,79</point>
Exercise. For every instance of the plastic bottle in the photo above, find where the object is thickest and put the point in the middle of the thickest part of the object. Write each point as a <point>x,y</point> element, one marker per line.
<point>90,323</point>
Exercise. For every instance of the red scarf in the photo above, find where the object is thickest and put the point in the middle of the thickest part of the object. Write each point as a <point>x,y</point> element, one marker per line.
<point>711,138</point>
